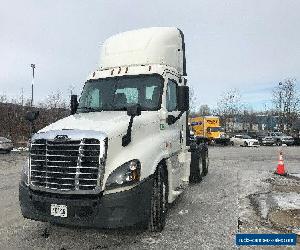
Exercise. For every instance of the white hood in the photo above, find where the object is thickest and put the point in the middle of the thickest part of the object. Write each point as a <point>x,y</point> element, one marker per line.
<point>113,123</point>
<point>250,140</point>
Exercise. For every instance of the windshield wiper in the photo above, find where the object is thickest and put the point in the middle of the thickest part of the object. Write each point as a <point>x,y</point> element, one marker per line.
<point>90,109</point>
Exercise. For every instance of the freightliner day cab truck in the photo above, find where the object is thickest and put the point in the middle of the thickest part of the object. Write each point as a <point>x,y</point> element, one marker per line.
<point>123,154</point>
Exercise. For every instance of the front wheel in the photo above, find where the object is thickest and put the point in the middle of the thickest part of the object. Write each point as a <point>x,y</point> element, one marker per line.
<point>159,201</point>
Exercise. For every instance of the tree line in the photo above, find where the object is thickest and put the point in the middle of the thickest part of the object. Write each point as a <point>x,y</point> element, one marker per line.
<point>13,124</point>
<point>285,108</point>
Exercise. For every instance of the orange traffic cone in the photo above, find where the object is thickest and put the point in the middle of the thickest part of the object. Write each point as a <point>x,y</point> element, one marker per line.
<point>280,167</point>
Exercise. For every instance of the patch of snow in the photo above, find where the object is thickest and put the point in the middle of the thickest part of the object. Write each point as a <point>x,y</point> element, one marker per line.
<point>181,212</point>
<point>287,201</point>
<point>295,175</point>
<point>19,149</point>
<point>150,241</point>
<point>264,209</point>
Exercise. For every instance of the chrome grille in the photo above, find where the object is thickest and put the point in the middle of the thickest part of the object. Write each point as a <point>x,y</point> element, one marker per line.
<point>67,165</point>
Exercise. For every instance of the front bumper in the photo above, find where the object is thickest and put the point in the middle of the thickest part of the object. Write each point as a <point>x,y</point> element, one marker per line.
<point>222,140</point>
<point>267,143</point>
<point>122,209</point>
<point>289,142</point>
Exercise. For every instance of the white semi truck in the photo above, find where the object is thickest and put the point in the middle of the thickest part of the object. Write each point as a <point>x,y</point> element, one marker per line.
<point>123,154</point>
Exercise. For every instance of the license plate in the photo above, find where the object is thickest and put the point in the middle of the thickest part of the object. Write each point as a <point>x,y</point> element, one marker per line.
<point>59,210</point>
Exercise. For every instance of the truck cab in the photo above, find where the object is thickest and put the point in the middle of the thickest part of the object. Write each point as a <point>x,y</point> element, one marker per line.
<point>123,154</point>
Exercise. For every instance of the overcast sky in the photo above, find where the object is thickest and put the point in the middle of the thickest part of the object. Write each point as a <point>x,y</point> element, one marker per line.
<point>249,45</point>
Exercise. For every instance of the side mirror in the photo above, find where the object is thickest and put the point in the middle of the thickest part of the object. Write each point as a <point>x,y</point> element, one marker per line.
<point>31,116</point>
<point>134,110</point>
<point>74,104</point>
<point>171,119</point>
<point>183,98</point>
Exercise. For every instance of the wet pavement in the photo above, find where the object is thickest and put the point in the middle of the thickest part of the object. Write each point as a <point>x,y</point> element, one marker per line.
<point>240,194</point>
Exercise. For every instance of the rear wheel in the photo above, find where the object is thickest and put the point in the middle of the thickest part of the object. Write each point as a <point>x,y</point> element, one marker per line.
<point>245,144</point>
<point>159,200</point>
<point>196,167</point>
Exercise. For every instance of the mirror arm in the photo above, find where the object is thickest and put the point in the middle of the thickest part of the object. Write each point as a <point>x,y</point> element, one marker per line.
<point>126,139</point>
<point>170,122</point>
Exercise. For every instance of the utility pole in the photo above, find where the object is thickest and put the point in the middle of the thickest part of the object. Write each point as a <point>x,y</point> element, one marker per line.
<point>33,67</point>
<point>280,111</point>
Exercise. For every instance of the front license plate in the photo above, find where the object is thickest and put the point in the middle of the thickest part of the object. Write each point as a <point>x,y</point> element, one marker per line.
<point>59,210</point>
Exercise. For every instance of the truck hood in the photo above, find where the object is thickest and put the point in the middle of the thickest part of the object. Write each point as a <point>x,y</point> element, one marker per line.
<point>113,123</point>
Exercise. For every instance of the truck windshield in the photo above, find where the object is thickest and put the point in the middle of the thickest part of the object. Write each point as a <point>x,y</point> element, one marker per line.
<point>215,129</point>
<point>116,93</point>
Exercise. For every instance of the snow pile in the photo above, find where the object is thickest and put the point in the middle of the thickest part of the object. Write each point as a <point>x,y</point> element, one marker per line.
<point>20,149</point>
<point>287,201</point>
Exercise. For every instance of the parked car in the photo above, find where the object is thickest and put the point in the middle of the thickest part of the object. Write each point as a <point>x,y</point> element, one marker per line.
<point>267,141</point>
<point>280,138</point>
<point>254,134</point>
<point>6,145</point>
<point>244,141</point>
<point>297,141</point>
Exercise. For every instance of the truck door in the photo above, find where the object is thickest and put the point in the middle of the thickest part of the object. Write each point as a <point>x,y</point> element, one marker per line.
<point>176,131</point>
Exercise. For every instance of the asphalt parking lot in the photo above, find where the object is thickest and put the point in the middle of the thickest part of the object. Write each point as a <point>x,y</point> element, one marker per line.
<point>234,197</point>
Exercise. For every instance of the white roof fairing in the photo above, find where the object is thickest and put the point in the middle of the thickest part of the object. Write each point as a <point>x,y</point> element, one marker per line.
<point>156,45</point>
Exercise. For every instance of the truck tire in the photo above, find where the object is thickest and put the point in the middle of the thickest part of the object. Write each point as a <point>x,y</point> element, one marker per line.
<point>245,144</point>
<point>205,163</point>
<point>196,167</point>
<point>159,201</point>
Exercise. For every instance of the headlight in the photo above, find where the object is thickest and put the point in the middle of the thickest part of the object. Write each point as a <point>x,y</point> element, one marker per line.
<point>125,175</point>
<point>25,172</point>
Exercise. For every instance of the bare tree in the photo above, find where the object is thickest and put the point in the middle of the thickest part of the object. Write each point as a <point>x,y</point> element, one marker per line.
<point>204,110</point>
<point>3,98</point>
<point>192,100</point>
<point>287,103</point>
<point>54,100</point>
<point>229,106</point>
<point>249,118</point>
